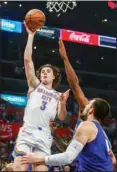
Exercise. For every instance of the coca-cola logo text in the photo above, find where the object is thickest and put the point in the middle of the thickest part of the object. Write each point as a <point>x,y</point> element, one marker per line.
<point>80,37</point>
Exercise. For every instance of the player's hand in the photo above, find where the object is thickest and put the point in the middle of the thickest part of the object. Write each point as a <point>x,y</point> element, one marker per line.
<point>32,159</point>
<point>62,49</point>
<point>32,32</point>
<point>64,96</point>
<point>52,125</point>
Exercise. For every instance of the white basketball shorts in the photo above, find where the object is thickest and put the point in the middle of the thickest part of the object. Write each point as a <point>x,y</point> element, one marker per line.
<point>36,140</point>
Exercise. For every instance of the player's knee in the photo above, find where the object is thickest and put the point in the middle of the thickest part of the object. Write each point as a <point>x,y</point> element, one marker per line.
<point>19,167</point>
<point>17,164</point>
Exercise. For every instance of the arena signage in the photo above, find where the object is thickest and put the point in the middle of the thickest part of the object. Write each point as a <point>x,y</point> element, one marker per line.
<point>108,42</point>
<point>15,100</point>
<point>66,35</point>
<point>49,32</point>
<point>79,37</point>
<point>11,26</point>
<point>9,131</point>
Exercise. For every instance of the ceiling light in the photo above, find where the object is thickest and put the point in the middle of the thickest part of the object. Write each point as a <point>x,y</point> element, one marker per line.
<point>58,15</point>
<point>35,47</point>
<point>53,51</point>
<point>20,5</point>
<point>105,20</point>
<point>102,58</point>
<point>78,61</point>
<point>5,2</point>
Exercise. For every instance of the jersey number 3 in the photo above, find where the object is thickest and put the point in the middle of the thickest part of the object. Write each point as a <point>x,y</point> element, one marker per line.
<point>43,107</point>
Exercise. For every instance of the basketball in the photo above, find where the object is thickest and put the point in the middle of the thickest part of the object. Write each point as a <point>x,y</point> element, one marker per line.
<point>35,19</point>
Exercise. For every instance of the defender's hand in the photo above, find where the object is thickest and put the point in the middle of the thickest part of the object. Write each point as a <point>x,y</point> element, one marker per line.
<point>64,96</point>
<point>32,159</point>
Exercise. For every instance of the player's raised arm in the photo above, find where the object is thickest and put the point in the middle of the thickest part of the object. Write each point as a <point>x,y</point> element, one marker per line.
<point>28,63</point>
<point>72,77</point>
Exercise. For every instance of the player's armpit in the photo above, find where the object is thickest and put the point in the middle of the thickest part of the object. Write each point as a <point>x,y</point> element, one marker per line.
<point>32,80</point>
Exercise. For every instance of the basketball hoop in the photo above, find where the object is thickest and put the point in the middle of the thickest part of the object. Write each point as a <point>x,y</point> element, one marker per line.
<point>60,6</point>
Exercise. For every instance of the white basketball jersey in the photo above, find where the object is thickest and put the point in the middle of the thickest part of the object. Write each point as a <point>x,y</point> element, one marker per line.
<point>41,107</point>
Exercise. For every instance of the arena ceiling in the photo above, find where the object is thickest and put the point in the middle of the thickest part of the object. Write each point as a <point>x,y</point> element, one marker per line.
<point>87,16</point>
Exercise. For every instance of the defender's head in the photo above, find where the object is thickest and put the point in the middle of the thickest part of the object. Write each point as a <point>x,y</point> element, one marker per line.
<point>96,109</point>
<point>49,74</point>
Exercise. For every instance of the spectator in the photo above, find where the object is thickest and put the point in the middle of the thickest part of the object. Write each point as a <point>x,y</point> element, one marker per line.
<point>56,169</point>
<point>66,168</point>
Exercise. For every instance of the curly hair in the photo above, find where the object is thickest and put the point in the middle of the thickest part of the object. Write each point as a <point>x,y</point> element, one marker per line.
<point>56,72</point>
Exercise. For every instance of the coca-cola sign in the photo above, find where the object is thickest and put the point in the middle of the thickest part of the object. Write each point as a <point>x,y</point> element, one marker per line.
<point>79,37</point>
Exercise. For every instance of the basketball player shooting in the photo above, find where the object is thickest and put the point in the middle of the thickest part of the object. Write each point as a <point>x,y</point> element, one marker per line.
<point>43,105</point>
<point>90,143</point>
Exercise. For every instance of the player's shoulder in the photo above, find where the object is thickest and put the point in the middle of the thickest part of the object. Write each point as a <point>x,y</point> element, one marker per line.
<point>32,89</point>
<point>87,126</point>
<point>86,123</point>
<point>34,83</point>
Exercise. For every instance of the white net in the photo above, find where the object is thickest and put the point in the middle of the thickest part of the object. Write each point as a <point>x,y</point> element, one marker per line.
<point>60,6</point>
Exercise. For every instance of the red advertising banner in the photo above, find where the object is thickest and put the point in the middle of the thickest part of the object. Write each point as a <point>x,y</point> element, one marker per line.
<point>79,37</point>
<point>63,133</point>
<point>8,131</point>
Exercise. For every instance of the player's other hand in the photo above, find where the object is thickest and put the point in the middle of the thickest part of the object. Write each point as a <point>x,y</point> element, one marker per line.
<point>53,126</point>
<point>62,49</point>
<point>32,159</point>
<point>28,30</point>
<point>64,96</point>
